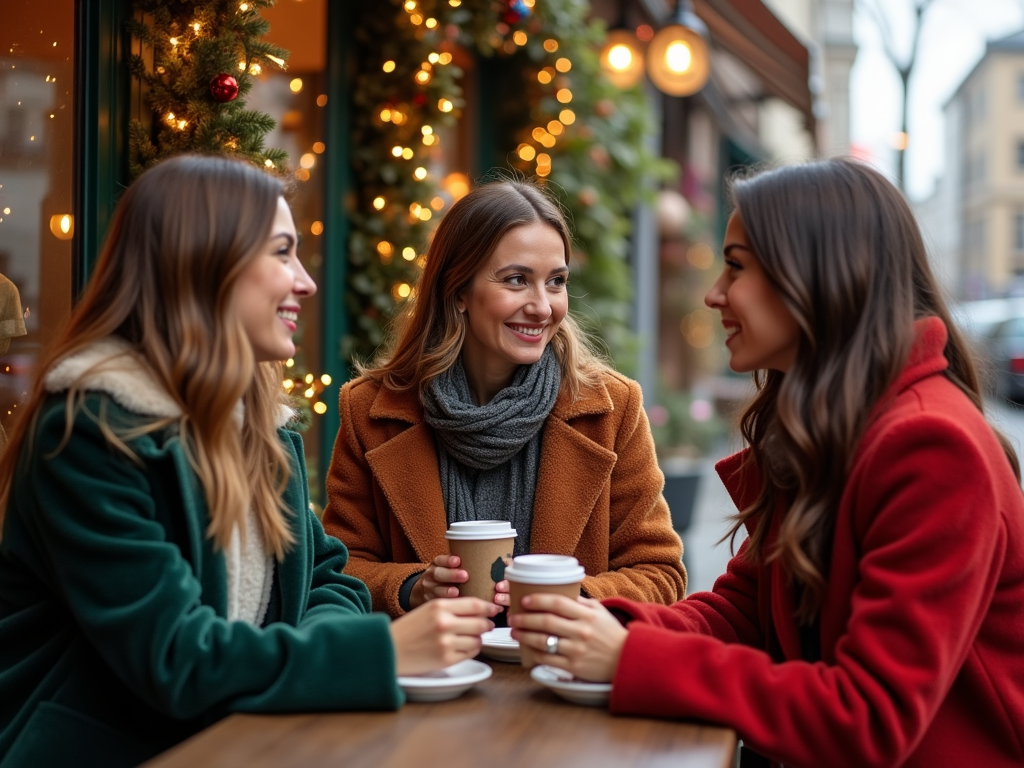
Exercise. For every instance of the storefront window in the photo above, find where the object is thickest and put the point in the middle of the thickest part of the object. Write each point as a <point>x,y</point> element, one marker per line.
<point>36,169</point>
<point>295,97</point>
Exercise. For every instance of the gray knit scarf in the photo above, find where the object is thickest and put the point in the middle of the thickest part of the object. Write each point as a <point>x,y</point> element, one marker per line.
<point>489,455</point>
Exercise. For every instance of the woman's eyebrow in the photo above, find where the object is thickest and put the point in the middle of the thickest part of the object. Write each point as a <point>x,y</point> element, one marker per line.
<point>733,246</point>
<point>287,236</point>
<point>529,270</point>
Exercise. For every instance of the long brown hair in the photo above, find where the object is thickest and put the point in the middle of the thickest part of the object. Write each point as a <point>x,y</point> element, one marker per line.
<point>180,237</point>
<point>843,250</point>
<point>426,336</point>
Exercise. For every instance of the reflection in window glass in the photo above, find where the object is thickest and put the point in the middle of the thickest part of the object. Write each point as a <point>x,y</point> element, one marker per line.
<point>36,162</point>
<point>296,98</point>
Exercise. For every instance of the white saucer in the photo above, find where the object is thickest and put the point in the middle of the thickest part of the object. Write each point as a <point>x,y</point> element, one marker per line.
<point>444,684</point>
<point>571,689</point>
<point>499,645</point>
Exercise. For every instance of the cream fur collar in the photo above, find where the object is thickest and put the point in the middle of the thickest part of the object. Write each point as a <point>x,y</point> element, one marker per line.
<point>112,367</point>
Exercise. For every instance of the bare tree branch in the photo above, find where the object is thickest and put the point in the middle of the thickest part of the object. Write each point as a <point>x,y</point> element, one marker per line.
<point>881,23</point>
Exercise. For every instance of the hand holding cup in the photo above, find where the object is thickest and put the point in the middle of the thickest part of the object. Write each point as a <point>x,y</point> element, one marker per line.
<point>440,633</point>
<point>588,638</point>
<point>441,580</point>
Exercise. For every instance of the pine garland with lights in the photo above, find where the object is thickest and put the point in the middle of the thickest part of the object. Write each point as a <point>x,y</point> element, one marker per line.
<point>581,135</point>
<point>205,56</point>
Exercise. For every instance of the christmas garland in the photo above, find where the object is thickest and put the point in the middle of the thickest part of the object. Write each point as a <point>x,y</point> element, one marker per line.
<point>581,136</point>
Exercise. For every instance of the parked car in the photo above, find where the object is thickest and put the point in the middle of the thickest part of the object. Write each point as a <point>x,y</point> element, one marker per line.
<point>1006,349</point>
<point>983,323</point>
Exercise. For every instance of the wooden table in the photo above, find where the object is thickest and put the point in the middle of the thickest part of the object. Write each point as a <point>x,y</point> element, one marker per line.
<point>507,721</point>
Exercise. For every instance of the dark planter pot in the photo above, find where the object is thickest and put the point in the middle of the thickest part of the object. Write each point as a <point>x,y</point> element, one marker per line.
<point>681,494</point>
<point>682,481</point>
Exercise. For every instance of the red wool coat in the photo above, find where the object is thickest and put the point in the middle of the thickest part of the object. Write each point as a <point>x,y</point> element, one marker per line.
<point>922,628</point>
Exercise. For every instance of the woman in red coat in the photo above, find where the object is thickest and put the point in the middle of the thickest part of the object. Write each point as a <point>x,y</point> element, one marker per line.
<point>873,615</point>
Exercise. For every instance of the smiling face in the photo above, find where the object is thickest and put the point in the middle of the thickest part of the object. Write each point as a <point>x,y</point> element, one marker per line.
<point>269,290</point>
<point>762,332</point>
<point>513,307</point>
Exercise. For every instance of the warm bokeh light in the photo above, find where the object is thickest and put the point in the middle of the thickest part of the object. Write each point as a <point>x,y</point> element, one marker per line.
<point>563,65</point>
<point>456,184</point>
<point>308,160</point>
<point>526,152</point>
<point>620,57</point>
<point>319,147</point>
<point>317,227</point>
<point>678,57</point>
<point>295,85</point>
<point>700,255</point>
<point>567,116</point>
<point>564,95</point>
<point>62,225</point>
<point>550,45</point>
<point>379,203</point>
<point>389,66</point>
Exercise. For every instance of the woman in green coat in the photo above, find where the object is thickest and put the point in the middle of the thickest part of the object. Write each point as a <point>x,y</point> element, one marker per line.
<point>159,563</point>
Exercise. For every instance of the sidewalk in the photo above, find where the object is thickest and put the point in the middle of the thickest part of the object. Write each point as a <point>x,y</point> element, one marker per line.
<point>705,558</point>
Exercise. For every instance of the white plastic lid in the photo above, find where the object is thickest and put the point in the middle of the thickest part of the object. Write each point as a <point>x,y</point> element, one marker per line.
<point>545,569</point>
<point>478,530</point>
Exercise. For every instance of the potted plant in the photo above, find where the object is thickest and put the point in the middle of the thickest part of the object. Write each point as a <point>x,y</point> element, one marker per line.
<point>686,429</point>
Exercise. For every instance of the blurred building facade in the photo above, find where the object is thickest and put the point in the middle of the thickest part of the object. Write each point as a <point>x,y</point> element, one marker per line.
<point>974,220</point>
<point>779,92</point>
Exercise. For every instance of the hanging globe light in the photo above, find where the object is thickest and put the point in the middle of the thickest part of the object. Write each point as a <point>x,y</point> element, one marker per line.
<point>678,59</point>
<point>622,58</point>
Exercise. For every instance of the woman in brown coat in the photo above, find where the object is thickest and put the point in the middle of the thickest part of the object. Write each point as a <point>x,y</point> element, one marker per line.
<point>488,404</point>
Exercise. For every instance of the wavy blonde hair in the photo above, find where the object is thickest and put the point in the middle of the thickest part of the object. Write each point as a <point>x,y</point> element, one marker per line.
<point>842,249</point>
<point>426,336</point>
<point>180,237</point>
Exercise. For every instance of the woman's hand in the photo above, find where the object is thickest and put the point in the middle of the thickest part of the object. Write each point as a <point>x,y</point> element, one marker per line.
<point>440,580</point>
<point>590,639</point>
<point>439,634</point>
<point>501,595</point>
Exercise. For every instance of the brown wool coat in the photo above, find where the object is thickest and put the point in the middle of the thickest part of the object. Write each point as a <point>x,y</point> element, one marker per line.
<point>598,493</point>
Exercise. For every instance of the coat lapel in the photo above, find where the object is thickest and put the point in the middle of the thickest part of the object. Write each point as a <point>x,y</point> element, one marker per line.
<point>406,469</point>
<point>573,471</point>
<point>293,573</point>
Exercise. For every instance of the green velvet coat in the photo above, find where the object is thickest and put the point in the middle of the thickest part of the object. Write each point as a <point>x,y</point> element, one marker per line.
<point>113,639</point>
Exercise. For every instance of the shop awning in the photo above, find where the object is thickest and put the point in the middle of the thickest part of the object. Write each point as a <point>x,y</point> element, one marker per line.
<point>752,33</point>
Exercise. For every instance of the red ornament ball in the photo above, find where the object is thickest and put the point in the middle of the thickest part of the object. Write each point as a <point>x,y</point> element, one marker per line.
<point>224,88</point>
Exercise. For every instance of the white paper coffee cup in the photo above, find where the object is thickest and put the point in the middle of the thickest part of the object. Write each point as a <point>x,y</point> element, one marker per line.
<point>484,547</point>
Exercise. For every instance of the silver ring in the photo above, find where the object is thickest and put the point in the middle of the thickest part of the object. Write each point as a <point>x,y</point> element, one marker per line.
<point>551,645</point>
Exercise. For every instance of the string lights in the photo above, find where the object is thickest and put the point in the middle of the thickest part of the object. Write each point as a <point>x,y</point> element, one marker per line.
<point>582,133</point>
